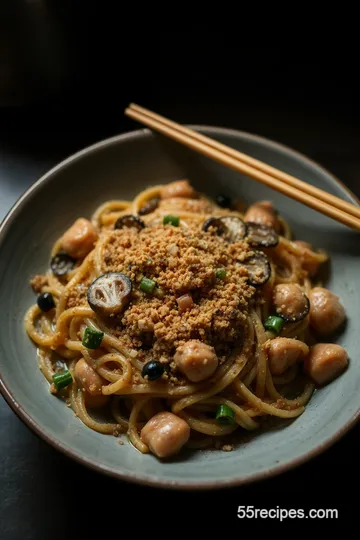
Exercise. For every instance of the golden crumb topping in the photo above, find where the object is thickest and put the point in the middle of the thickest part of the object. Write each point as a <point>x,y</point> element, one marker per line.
<point>38,282</point>
<point>180,261</point>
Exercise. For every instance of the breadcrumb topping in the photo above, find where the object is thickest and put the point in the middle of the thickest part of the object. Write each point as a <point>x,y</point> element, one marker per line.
<point>38,282</point>
<point>180,261</point>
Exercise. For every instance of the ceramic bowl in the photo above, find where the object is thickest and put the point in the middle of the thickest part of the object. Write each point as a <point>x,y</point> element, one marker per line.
<point>118,168</point>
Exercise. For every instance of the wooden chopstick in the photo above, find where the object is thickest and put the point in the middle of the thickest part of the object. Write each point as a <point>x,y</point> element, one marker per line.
<point>230,159</point>
<point>257,164</point>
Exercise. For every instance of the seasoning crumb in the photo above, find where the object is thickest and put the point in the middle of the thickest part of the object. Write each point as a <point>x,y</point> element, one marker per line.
<point>38,282</point>
<point>193,304</point>
<point>227,447</point>
<point>182,263</point>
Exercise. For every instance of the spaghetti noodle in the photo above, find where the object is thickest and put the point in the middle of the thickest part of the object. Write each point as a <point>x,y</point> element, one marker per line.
<point>167,304</point>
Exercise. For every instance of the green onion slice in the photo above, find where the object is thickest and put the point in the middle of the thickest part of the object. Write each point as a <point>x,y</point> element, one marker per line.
<point>147,285</point>
<point>171,220</point>
<point>62,379</point>
<point>220,273</point>
<point>225,415</point>
<point>274,324</point>
<point>92,338</point>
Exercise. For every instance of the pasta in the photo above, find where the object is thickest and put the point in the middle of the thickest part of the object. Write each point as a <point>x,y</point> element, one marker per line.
<point>181,321</point>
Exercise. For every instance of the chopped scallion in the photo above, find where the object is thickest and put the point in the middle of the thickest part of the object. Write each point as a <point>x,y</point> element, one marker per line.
<point>92,339</point>
<point>274,324</point>
<point>225,415</point>
<point>220,273</point>
<point>171,220</point>
<point>147,285</point>
<point>62,379</point>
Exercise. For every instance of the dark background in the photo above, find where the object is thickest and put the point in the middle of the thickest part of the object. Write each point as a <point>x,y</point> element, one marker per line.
<point>74,95</point>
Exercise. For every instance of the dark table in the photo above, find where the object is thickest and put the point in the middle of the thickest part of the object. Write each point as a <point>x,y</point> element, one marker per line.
<point>43,494</point>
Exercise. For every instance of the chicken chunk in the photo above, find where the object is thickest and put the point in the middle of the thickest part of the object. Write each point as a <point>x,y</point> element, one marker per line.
<point>263,212</point>
<point>326,311</point>
<point>290,302</point>
<point>196,360</point>
<point>180,188</point>
<point>87,378</point>
<point>284,353</point>
<point>165,434</point>
<point>79,240</point>
<point>325,362</point>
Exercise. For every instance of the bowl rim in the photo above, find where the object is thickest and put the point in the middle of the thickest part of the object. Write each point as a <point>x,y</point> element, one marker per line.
<point>135,478</point>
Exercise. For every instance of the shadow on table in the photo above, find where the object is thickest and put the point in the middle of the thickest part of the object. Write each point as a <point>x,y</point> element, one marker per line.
<point>45,494</point>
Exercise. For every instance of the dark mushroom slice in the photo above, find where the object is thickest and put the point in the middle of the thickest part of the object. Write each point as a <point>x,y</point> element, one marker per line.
<point>109,294</point>
<point>259,235</point>
<point>258,268</point>
<point>290,302</point>
<point>232,228</point>
<point>61,264</point>
<point>149,206</point>
<point>215,223</point>
<point>236,228</point>
<point>129,222</point>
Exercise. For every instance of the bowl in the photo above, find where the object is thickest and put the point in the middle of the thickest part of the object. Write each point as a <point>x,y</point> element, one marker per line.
<point>119,168</point>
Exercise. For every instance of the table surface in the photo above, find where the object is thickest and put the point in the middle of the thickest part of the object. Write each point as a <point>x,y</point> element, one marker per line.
<point>43,493</point>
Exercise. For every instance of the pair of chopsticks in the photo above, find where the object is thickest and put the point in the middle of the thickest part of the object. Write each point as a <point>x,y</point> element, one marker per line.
<point>325,203</point>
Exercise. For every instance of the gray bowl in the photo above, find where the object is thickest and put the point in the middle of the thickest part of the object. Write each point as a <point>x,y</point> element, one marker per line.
<point>119,168</point>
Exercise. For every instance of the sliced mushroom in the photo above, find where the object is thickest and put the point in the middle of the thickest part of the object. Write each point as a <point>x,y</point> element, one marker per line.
<point>259,235</point>
<point>130,222</point>
<point>232,228</point>
<point>149,206</point>
<point>61,264</point>
<point>214,223</point>
<point>110,293</point>
<point>258,268</point>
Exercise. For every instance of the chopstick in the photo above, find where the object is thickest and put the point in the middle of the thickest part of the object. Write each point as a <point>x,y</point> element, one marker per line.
<point>319,200</point>
<point>268,169</point>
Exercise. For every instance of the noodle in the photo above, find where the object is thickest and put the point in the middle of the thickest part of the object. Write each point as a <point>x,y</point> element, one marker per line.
<point>243,380</point>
